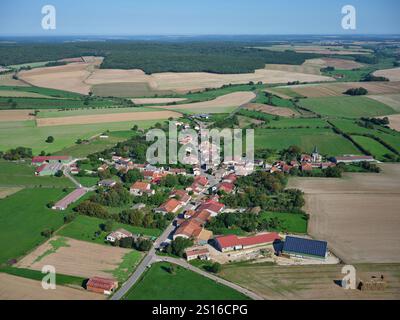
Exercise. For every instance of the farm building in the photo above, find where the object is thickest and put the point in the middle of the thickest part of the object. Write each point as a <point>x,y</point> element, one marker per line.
<point>48,169</point>
<point>118,235</point>
<point>305,248</point>
<point>70,198</point>
<point>214,207</point>
<point>233,242</point>
<point>194,253</point>
<point>354,159</point>
<point>39,160</point>
<point>101,285</point>
<point>140,188</point>
<point>193,229</point>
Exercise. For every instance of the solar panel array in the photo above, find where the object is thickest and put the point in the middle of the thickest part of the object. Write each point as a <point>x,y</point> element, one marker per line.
<point>305,246</point>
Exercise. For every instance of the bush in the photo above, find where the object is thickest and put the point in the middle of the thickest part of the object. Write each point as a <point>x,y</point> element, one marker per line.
<point>50,139</point>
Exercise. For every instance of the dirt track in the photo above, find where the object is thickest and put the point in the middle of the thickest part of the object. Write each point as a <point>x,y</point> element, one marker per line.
<point>17,288</point>
<point>107,118</point>
<point>358,215</point>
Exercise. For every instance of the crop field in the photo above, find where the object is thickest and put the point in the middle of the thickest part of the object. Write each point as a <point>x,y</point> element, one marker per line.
<point>341,64</point>
<point>391,74</point>
<point>15,115</point>
<point>394,121</point>
<point>106,118</point>
<point>159,284</point>
<point>127,90</point>
<point>22,175</point>
<point>391,100</point>
<point>21,224</point>
<point>373,146</point>
<point>337,89</point>
<point>26,134</point>
<point>18,288</point>
<point>84,228</point>
<point>8,191</point>
<point>157,100</point>
<point>352,107</point>
<point>88,112</point>
<point>316,282</point>
<point>314,48</point>
<point>308,123</point>
<point>8,80</point>
<point>277,111</point>
<point>80,258</point>
<point>304,68</point>
<point>221,104</point>
<point>327,141</point>
<point>357,215</point>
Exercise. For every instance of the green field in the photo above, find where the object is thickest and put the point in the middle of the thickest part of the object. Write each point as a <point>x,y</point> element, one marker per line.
<point>350,126</point>
<point>62,279</point>
<point>90,111</point>
<point>23,175</point>
<point>326,140</point>
<point>87,181</point>
<point>351,107</point>
<point>24,216</point>
<point>65,136</point>
<point>93,146</point>
<point>298,123</point>
<point>158,284</point>
<point>374,147</point>
<point>84,228</point>
<point>43,91</point>
<point>290,222</point>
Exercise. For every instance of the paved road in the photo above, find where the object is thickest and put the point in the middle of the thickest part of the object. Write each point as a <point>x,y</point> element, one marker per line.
<point>144,264</point>
<point>188,266</point>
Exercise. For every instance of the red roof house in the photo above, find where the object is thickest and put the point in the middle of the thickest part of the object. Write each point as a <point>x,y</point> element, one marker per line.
<point>233,242</point>
<point>170,206</point>
<point>101,285</point>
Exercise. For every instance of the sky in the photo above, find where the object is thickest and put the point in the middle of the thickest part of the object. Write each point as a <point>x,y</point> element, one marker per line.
<point>201,17</point>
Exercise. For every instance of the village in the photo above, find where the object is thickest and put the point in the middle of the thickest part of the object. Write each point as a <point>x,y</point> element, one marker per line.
<point>194,206</point>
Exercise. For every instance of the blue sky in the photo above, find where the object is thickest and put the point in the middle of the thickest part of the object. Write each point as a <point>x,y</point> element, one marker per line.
<point>178,17</point>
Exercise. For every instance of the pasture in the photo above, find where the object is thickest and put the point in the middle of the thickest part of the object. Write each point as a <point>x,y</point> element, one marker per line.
<point>374,147</point>
<point>327,141</point>
<point>26,134</point>
<point>357,215</point>
<point>24,216</point>
<point>159,284</point>
<point>351,107</point>
<point>22,175</point>
<point>289,222</point>
<point>81,259</point>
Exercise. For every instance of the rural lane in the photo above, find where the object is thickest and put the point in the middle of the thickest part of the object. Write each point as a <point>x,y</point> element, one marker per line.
<point>144,264</point>
<point>190,267</point>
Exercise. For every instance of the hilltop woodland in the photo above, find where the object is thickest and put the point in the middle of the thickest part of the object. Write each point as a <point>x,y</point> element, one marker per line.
<point>152,57</point>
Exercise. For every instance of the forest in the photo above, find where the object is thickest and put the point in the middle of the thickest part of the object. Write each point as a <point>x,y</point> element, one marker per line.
<point>152,57</point>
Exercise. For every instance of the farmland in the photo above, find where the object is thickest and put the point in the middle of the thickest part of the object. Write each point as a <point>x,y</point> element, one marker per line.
<point>344,212</point>
<point>22,175</point>
<point>290,222</point>
<point>316,282</point>
<point>328,142</point>
<point>352,107</point>
<point>84,228</point>
<point>159,284</point>
<point>26,134</point>
<point>373,146</point>
<point>82,259</point>
<point>22,224</point>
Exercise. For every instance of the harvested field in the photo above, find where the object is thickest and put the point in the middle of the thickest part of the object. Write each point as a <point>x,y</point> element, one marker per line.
<point>78,258</point>
<point>80,77</point>
<point>7,80</point>
<point>234,99</point>
<point>70,77</point>
<point>278,111</point>
<point>15,115</point>
<point>342,64</point>
<point>315,282</point>
<point>7,191</point>
<point>392,100</point>
<point>337,50</point>
<point>391,74</point>
<point>157,100</point>
<point>337,89</point>
<point>357,215</point>
<point>307,68</point>
<point>107,118</point>
<point>394,122</point>
<point>13,93</point>
<point>17,288</point>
